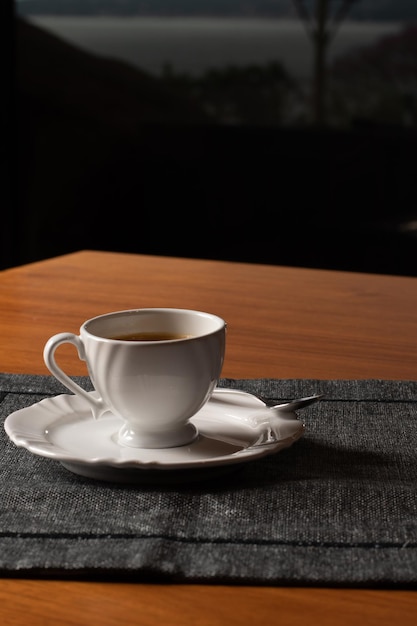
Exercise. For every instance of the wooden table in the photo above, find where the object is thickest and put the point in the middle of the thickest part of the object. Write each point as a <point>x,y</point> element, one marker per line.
<point>282,323</point>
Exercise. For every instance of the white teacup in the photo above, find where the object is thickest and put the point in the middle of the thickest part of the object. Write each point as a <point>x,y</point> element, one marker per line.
<point>153,368</point>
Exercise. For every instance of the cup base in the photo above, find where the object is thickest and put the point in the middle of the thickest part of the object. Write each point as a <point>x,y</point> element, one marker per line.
<point>170,439</point>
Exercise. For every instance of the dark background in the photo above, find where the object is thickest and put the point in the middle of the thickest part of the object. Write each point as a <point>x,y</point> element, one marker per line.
<point>101,156</point>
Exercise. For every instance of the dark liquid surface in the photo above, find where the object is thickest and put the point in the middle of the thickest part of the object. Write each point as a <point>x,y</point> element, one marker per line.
<point>150,336</point>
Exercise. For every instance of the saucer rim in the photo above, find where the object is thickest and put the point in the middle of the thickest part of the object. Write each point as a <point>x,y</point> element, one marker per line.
<point>36,442</point>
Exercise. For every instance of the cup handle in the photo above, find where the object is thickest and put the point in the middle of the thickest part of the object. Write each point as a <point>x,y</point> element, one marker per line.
<point>96,404</point>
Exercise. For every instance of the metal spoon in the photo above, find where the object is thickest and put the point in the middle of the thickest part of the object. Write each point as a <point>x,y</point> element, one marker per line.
<point>293,405</point>
<point>287,407</point>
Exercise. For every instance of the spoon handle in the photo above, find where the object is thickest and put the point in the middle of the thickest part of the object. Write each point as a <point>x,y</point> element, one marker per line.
<point>293,405</point>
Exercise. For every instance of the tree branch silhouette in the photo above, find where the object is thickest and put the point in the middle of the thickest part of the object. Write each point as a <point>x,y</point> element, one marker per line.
<point>321,25</point>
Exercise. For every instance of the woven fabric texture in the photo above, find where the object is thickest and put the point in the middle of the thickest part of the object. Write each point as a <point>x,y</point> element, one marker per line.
<point>338,508</point>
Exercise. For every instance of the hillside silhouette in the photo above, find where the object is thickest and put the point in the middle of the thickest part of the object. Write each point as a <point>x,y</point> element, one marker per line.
<point>69,81</point>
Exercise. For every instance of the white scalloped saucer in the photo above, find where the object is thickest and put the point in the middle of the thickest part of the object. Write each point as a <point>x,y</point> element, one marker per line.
<point>234,427</point>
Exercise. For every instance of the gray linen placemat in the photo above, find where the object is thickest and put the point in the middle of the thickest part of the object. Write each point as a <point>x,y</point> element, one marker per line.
<point>338,508</point>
